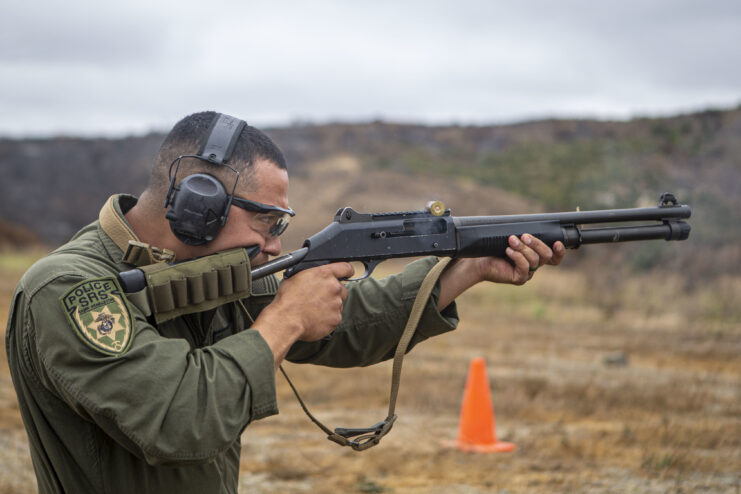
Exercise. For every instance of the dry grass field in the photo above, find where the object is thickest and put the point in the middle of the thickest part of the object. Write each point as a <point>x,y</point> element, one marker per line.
<point>617,387</point>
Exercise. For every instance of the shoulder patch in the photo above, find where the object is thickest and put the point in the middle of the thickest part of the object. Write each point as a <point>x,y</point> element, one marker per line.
<point>100,314</point>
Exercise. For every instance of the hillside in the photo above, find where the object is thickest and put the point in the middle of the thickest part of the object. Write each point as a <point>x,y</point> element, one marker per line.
<point>13,237</point>
<point>52,187</point>
<point>618,372</point>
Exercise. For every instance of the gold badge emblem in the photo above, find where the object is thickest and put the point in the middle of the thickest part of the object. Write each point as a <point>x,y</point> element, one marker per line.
<point>100,314</point>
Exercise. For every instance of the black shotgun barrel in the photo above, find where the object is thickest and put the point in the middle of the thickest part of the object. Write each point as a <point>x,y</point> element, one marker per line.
<point>487,235</point>
<point>585,217</point>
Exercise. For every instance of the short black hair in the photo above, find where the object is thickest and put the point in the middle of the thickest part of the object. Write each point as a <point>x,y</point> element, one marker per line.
<point>190,133</point>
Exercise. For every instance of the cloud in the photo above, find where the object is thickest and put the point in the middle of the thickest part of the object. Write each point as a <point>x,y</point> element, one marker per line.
<point>107,68</point>
<point>81,33</point>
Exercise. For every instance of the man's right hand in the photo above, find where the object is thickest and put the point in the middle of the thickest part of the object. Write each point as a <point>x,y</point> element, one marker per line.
<point>307,307</point>
<point>314,298</point>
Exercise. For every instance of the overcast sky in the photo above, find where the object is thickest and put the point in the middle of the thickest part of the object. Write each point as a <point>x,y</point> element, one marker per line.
<point>89,67</point>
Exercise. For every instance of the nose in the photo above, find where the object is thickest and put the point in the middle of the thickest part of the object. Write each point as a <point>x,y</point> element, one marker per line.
<point>272,246</point>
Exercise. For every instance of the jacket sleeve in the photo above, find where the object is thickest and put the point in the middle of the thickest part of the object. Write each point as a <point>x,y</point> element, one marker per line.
<point>162,400</point>
<point>374,316</point>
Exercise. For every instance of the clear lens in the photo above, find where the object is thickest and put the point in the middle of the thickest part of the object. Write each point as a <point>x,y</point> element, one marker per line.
<point>280,225</point>
<point>270,224</point>
<point>269,220</point>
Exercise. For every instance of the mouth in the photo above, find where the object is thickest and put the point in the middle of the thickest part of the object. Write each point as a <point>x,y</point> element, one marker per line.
<point>261,258</point>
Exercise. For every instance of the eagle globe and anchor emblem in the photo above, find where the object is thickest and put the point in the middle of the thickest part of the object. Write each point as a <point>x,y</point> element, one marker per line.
<point>106,321</point>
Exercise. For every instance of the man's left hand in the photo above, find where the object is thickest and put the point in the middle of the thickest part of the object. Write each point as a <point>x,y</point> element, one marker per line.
<point>527,253</point>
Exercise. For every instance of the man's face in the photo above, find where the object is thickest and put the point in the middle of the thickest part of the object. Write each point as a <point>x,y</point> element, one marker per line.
<point>269,185</point>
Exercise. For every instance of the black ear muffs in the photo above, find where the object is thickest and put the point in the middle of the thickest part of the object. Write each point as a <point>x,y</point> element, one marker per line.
<point>199,205</point>
<point>197,211</point>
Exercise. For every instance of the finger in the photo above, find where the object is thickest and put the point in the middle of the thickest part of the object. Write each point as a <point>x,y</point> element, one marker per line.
<point>545,253</point>
<point>521,271</point>
<point>343,293</point>
<point>531,256</point>
<point>559,251</point>
<point>341,270</point>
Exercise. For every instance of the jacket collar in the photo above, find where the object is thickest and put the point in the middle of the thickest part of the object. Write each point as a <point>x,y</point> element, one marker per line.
<point>114,225</point>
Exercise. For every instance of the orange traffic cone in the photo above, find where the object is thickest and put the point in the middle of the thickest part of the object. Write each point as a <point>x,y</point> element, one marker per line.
<point>477,430</point>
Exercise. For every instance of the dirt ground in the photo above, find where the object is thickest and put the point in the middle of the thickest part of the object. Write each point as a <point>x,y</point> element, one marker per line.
<point>602,389</point>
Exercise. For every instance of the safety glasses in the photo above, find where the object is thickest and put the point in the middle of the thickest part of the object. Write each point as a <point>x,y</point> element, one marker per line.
<point>268,220</point>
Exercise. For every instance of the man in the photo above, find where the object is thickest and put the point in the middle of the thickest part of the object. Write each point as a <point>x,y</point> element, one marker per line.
<point>115,403</point>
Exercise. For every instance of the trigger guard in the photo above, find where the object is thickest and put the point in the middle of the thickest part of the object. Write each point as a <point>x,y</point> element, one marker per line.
<point>369,267</point>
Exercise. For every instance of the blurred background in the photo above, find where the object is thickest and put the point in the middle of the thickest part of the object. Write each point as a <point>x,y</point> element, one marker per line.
<point>620,370</point>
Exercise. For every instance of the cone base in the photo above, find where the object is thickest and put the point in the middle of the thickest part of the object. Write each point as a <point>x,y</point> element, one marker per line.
<point>497,447</point>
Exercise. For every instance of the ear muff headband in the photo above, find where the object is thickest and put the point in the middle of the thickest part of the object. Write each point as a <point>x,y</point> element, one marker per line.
<point>223,134</point>
<point>199,205</point>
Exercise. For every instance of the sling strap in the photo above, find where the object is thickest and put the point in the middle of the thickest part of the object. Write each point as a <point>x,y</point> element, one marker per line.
<point>365,438</point>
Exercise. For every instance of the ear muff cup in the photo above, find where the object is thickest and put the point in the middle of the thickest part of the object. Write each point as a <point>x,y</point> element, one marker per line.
<point>198,209</point>
<point>199,205</point>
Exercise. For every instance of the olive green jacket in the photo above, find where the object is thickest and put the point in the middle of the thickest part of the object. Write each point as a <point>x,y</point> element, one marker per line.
<point>165,413</point>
